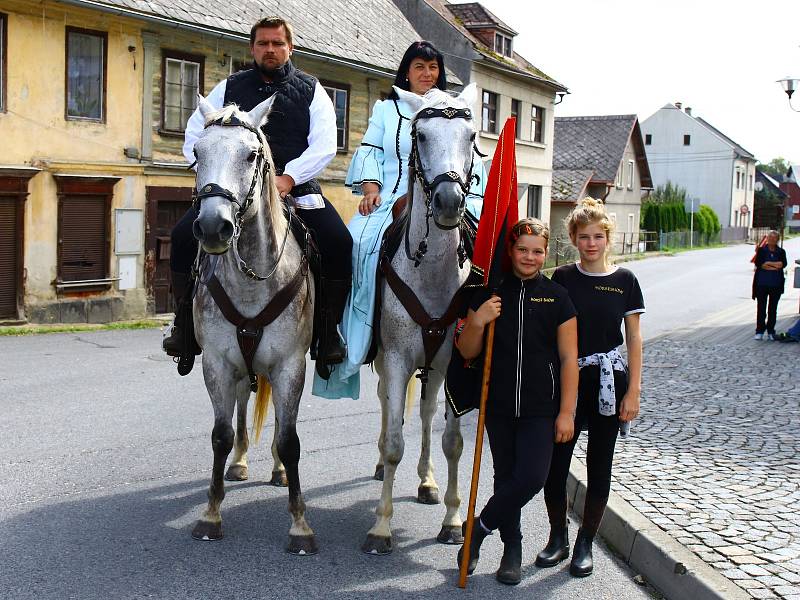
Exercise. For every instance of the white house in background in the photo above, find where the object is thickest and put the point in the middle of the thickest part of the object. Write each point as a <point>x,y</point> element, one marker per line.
<point>691,153</point>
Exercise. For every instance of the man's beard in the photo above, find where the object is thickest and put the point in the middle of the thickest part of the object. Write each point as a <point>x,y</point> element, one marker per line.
<point>269,71</point>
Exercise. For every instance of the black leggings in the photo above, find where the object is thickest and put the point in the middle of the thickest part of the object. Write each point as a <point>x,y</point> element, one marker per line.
<point>521,450</point>
<point>329,231</point>
<point>602,433</point>
<point>767,306</point>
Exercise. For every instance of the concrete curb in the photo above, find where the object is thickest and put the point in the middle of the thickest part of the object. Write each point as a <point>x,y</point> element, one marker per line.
<point>671,568</point>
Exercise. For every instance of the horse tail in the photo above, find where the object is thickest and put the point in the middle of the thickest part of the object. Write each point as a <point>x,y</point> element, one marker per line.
<point>261,407</point>
<point>411,388</point>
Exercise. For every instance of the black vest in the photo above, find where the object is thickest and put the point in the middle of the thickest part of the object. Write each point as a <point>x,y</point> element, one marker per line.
<point>289,120</point>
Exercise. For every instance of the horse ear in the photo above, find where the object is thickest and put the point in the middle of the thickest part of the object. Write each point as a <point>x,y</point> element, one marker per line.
<point>205,107</point>
<point>258,116</point>
<point>469,94</point>
<point>413,100</point>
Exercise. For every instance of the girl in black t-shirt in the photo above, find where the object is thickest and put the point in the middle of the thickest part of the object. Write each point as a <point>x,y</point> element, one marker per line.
<point>608,388</point>
<point>532,390</point>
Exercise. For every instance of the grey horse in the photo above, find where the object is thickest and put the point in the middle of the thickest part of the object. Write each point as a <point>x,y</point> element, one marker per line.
<point>242,224</point>
<point>444,147</point>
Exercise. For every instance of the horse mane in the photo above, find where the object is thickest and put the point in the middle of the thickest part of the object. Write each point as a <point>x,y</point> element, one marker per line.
<point>276,215</point>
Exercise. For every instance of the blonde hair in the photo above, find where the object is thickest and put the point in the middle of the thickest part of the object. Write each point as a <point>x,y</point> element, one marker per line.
<point>589,211</point>
<point>528,226</point>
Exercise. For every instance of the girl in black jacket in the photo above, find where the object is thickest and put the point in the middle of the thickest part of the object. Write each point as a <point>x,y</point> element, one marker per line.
<point>532,390</point>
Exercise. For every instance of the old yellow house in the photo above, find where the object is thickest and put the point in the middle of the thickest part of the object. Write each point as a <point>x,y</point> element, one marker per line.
<point>94,97</point>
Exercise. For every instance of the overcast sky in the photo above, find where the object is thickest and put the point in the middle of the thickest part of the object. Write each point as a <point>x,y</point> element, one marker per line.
<point>721,58</point>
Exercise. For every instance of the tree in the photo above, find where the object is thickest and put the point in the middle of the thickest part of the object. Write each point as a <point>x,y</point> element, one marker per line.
<point>777,166</point>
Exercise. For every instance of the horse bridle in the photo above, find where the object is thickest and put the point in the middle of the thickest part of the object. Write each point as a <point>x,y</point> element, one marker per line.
<point>418,172</point>
<point>214,189</point>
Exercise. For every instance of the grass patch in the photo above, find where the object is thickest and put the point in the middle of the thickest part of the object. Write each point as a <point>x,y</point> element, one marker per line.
<point>79,327</point>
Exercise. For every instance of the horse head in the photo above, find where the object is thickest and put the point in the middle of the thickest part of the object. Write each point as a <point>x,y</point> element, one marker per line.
<point>233,166</point>
<point>443,137</point>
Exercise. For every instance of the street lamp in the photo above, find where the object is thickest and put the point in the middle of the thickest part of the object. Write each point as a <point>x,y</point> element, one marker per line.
<point>789,86</point>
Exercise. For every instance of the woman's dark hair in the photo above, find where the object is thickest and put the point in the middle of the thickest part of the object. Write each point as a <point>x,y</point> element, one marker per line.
<point>425,51</point>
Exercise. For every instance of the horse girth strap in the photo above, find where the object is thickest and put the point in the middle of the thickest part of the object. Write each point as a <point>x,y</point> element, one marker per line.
<point>250,329</point>
<point>434,330</point>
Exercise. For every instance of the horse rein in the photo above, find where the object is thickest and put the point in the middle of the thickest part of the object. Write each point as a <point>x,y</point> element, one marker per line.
<point>213,189</point>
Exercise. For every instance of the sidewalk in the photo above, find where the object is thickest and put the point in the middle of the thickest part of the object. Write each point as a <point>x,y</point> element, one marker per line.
<point>706,491</point>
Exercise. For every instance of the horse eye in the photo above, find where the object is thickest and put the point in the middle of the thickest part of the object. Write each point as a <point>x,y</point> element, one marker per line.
<point>252,156</point>
<point>421,137</point>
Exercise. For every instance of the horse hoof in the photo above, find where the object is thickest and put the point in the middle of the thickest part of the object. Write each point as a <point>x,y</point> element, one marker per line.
<point>279,479</point>
<point>207,531</point>
<point>378,473</point>
<point>377,545</point>
<point>236,473</point>
<point>302,545</point>
<point>450,534</point>
<point>427,495</point>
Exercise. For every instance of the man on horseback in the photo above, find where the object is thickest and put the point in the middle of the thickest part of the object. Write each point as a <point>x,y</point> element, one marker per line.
<point>301,133</point>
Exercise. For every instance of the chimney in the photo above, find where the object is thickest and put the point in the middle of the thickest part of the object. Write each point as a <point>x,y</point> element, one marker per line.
<point>688,110</point>
<point>678,105</point>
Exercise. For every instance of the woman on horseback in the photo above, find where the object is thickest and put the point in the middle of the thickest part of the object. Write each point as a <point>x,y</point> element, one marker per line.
<point>379,171</point>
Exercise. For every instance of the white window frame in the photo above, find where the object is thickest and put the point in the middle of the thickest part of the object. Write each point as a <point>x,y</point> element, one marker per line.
<point>333,90</point>
<point>618,178</point>
<point>505,43</point>
<point>534,121</point>
<point>631,222</point>
<point>182,61</point>
<point>630,175</point>
<point>487,95</point>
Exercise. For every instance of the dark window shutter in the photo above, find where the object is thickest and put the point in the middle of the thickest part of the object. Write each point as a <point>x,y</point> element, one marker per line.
<point>8,257</point>
<point>84,244</point>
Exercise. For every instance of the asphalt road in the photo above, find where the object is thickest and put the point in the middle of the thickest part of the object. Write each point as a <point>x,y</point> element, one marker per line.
<point>690,286</point>
<point>105,457</point>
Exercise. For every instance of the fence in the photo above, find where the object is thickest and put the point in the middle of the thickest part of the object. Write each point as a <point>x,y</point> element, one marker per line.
<point>562,251</point>
<point>682,239</point>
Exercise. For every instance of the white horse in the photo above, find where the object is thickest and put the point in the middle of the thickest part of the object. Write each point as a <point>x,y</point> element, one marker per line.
<point>428,262</point>
<point>264,327</point>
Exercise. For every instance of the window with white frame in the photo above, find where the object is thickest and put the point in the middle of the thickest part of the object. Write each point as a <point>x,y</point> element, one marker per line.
<point>502,44</point>
<point>86,74</point>
<point>489,112</point>
<point>339,94</point>
<point>535,201</point>
<point>648,139</point>
<point>537,124</point>
<point>182,76</point>
<point>618,178</point>
<point>631,222</point>
<point>630,174</point>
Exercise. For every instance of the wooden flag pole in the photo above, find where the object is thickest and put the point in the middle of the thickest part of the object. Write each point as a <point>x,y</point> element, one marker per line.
<point>476,461</point>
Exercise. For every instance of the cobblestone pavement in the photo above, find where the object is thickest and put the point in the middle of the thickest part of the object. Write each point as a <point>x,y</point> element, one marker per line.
<point>713,459</point>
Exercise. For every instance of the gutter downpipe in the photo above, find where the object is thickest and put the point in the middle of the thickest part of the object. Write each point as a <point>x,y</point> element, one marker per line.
<point>166,22</point>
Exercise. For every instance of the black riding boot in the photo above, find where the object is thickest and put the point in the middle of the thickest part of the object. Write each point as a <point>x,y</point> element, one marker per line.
<point>478,535</point>
<point>331,350</point>
<point>582,564</point>
<point>556,550</point>
<point>181,342</point>
<point>510,564</point>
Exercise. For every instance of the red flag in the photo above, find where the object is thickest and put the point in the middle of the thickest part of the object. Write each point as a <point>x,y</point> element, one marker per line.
<point>500,210</point>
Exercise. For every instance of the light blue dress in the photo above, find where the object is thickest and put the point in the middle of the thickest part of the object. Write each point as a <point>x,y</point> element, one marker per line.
<point>382,158</point>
